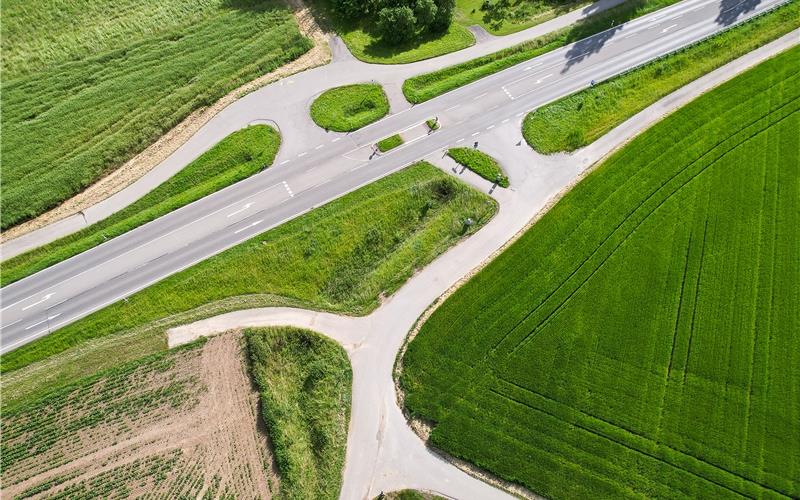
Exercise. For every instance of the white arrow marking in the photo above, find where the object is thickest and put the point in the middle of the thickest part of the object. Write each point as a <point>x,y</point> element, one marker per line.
<point>668,28</point>
<point>241,210</point>
<point>45,298</point>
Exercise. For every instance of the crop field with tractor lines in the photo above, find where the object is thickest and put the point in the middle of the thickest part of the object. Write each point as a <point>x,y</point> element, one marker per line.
<point>177,424</point>
<point>80,99</point>
<point>642,338</point>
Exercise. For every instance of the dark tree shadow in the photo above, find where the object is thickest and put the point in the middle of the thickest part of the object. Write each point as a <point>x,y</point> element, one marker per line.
<point>588,46</point>
<point>730,10</point>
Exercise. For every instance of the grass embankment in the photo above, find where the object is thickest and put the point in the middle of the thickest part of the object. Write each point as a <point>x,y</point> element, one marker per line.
<point>580,119</point>
<point>236,157</point>
<point>365,44</point>
<point>81,98</point>
<point>390,142</point>
<point>504,17</point>
<point>340,257</point>
<point>348,108</point>
<point>429,85</point>
<point>305,383</point>
<point>480,163</point>
<point>642,338</point>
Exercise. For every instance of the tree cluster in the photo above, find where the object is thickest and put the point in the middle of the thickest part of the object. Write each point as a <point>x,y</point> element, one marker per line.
<point>398,21</point>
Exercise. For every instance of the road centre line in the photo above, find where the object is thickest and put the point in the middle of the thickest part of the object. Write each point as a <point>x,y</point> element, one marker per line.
<point>43,321</point>
<point>249,226</point>
<point>668,28</point>
<point>302,154</point>
<point>476,133</point>
<point>490,127</point>
<point>479,96</point>
<point>230,205</point>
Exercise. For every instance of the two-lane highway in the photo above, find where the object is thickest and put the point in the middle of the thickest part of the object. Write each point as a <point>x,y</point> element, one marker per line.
<point>85,283</point>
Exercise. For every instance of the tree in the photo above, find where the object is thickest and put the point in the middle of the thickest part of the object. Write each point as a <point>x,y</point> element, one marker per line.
<point>397,24</point>
<point>425,12</point>
<point>354,9</point>
<point>444,15</point>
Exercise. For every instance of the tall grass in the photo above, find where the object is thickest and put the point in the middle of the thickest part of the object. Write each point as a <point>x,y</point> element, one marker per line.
<point>304,382</point>
<point>643,338</point>
<point>236,157</point>
<point>343,256</point>
<point>579,119</point>
<point>68,123</point>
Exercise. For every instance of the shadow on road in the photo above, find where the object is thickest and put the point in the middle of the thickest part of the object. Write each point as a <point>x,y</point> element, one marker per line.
<point>730,10</point>
<point>588,46</point>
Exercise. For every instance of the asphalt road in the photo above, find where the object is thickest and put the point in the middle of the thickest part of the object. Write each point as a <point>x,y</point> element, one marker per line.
<point>59,295</point>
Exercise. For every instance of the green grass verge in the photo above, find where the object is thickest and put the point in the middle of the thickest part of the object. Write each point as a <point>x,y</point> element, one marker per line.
<point>363,42</point>
<point>304,383</point>
<point>480,163</point>
<point>580,119</point>
<point>391,142</point>
<point>426,86</point>
<point>82,112</point>
<point>236,157</point>
<point>503,17</point>
<point>340,257</point>
<point>350,107</point>
<point>643,338</point>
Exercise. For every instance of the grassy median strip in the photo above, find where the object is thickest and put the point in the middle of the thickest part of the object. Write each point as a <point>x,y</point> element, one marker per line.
<point>236,157</point>
<point>80,97</point>
<point>480,163</point>
<point>305,381</point>
<point>341,257</point>
<point>580,119</point>
<point>429,85</point>
<point>348,108</point>
<point>391,142</point>
<point>644,332</point>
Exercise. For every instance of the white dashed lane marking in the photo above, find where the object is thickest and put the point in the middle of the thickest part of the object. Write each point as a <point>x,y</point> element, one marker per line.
<point>288,189</point>
<point>249,226</point>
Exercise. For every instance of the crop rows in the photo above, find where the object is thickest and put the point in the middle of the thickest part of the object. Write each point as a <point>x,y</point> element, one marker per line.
<point>643,338</point>
<point>67,125</point>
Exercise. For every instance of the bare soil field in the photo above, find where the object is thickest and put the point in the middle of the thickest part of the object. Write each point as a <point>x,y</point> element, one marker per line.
<point>179,424</point>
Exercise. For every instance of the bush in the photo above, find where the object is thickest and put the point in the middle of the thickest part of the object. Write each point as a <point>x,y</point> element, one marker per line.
<point>396,24</point>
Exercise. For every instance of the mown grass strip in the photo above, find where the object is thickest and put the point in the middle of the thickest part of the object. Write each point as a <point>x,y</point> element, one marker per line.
<point>389,143</point>
<point>350,107</point>
<point>429,85</point>
<point>636,339</point>
<point>579,119</point>
<point>480,163</point>
<point>341,257</point>
<point>67,125</point>
<point>238,156</point>
<point>304,382</point>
